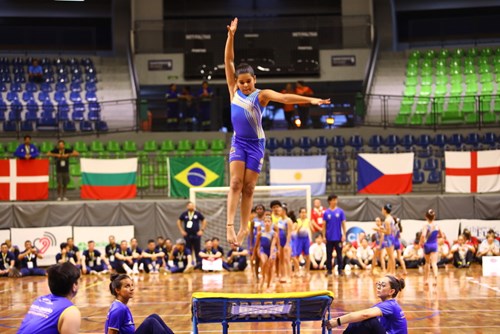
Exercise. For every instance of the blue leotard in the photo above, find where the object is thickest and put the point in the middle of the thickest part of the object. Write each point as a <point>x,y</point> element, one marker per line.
<point>265,242</point>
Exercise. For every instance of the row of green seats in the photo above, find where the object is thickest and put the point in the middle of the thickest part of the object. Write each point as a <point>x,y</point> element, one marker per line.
<point>457,53</point>
<point>446,118</point>
<point>456,89</point>
<point>427,80</point>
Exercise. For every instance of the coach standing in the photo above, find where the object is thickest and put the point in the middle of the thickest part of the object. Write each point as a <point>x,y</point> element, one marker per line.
<point>334,231</point>
<point>192,224</point>
<point>27,150</point>
<point>62,155</point>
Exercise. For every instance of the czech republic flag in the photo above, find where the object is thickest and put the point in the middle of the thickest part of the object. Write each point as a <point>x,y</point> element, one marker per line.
<point>388,174</point>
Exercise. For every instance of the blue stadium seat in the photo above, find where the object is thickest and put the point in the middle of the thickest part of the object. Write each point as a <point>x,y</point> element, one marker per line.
<point>27,126</point>
<point>61,87</point>
<point>85,126</point>
<point>440,140</point>
<point>14,116</point>
<point>31,116</point>
<point>31,87</point>
<point>417,164</point>
<point>343,179</point>
<point>3,106</point>
<point>27,96</point>
<point>46,123</point>
<point>75,97</point>
<point>418,177</point>
<point>408,141</point>
<point>43,96</point>
<point>342,166</point>
<point>434,177</point>
<point>339,154</point>
<point>12,96</point>
<point>9,126</point>
<point>101,126</point>
<point>90,87</point>
<point>16,106</point>
<point>430,164</point>
<point>19,78</point>
<point>94,115</point>
<point>32,106</point>
<point>375,142</point>
<point>46,87</point>
<point>3,87</point>
<point>69,126</point>
<point>48,106</point>
<point>59,96</point>
<point>16,87</point>
<point>392,141</point>
<point>424,152</point>
<point>91,96</point>
<point>473,139</point>
<point>356,142</point>
<point>424,140</point>
<point>2,116</point>
<point>75,87</point>
<point>63,107</point>
<point>490,139</point>
<point>456,140</point>
<point>6,78</point>
<point>338,142</point>
<point>272,144</point>
<point>321,143</point>
<point>305,143</point>
<point>288,144</point>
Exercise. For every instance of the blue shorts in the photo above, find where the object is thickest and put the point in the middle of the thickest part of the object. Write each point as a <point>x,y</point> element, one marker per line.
<point>388,242</point>
<point>248,150</point>
<point>397,244</point>
<point>301,245</point>
<point>430,248</point>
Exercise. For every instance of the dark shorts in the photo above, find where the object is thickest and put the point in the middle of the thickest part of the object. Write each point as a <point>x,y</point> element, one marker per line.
<point>248,150</point>
<point>63,178</point>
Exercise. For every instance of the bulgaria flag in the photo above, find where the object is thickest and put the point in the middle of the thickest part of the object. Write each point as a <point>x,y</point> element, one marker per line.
<point>108,178</point>
<point>24,180</point>
<point>472,172</point>
<point>388,173</point>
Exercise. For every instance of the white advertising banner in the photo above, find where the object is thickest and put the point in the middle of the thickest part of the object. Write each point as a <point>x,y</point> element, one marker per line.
<point>4,235</point>
<point>100,235</point>
<point>46,239</point>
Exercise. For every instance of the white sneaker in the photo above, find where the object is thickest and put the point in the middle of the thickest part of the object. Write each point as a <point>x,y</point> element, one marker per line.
<point>65,198</point>
<point>135,272</point>
<point>59,199</point>
<point>347,268</point>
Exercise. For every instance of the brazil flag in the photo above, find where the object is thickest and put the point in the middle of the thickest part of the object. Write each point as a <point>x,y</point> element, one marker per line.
<point>190,172</point>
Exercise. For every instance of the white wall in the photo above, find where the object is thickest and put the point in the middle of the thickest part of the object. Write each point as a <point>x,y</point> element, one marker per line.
<point>327,73</point>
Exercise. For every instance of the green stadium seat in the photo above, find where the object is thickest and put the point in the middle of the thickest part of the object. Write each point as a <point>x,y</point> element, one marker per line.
<point>113,146</point>
<point>484,61</point>
<point>422,107</point>
<point>471,89</point>
<point>443,54</point>
<point>426,80</point>
<point>129,146</point>
<point>440,63</point>
<point>85,155</point>
<point>142,182</point>
<point>426,71</point>
<point>401,120</point>
<point>161,157</point>
<point>452,117</point>
<point>415,54</point>
<point>160,182</point>
<point>147,169</point>
<point>410,91</point>
<point>471,118</point>
<point>441,90</point>
<point>457,79</point>
<point>119,155</point>
<point>74,170</point>
<point>411,72</point>
<point>431,120</point>
<point>167,146</point>
<point>162,169</point>
<point>12,146</point>
<point>496,69</point>
<point>468,107</point>
<point>143,157</point>
<point>416,120</point>
<point>484,68</point>
<point>471,78</point>
<point>496,107</point>
<point>485,103</point>
<point>219,145</point>
<point>487,88</point>
<point>469,61</point>
<point>97,146</point>
<point>489,118</point>
<point>469,69</point>
<point>430,54</point>
<point>457,53</point>
<point>103,155</point>
<point>183,146</point>
<point>486,52</point>
<point>425,91</point>
<point>2,148</point>
<point>486,77</point>
<point>442,70</point>
<point>411,81</point>
<point>405,109</point>
<point>150,146</point>
<point>456,89</point>
<point>407,100</point>
<point>200,146</point>
<point>46,146</point>
<point>442,79</point>
<point>80,147</point>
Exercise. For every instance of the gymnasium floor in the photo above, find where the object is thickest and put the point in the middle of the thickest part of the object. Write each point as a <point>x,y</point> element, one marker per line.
<point>463,302</point>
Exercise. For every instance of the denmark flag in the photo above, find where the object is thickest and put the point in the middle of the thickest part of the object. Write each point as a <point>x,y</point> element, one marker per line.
<point>472,172</point>
<point>24,180</point>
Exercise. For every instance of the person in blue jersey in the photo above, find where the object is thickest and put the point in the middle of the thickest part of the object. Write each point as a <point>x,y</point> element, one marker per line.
<point>55,313</point>
<point>379,245</point>
<point>429,239</point>
<point>182,261</point>
<point>389,227</point>
<point>152,257</point>
<point>27,150</point>
<point>266,243</point>
<point>384,317</point>
<point>120,320</point>
<point>247,147</point>
<point>334,231</point>
<point>7,261</point>
<point>173,111</point>
<point>28,259</point>
<point>236,258</point>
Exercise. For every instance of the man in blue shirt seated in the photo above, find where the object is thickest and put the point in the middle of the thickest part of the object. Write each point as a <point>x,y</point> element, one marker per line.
<point>55,313</point>
<point>27,150</point>
<point>28,260</point>
<point>236,259</point>
<point>35,72</point>
<point>7,260</point>
<point>181,257</point>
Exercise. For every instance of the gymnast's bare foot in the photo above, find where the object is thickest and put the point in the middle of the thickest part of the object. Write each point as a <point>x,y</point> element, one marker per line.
<point>231,235</point>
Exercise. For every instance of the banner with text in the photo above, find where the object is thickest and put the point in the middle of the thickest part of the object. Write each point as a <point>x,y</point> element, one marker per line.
<point>46,239</point>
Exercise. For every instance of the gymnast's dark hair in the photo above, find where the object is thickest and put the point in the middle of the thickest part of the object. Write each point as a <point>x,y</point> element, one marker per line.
<point>430,214</point>
<point>62,276</point>
<point>116,282</point>
<point>397,284</point>
<point>244,68</point>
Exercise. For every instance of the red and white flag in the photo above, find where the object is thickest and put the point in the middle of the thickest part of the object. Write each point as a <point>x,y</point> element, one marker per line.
<point>24,180</point>
<point>472,172</point>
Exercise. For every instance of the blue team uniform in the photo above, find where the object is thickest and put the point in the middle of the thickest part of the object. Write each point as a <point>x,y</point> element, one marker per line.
<point>22,150</point>
<point>333,220</point>
<point>120,318</point>
<point>248,142</point>
<point>93,261</point>
<point>283,231</point>
<point>431,244</point>
<point>301,242</point>
<point>266,239</point>
<point>393,318</point>
<point>258,225</point>
<point>43,315</point>
<point>180,260</point>
<point>5,260</point>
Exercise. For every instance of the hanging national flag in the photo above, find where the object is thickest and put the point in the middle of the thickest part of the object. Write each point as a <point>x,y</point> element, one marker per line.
<point>24,180</point>
<point>472,172</point>
<point>388,173</point>
<point>187,172</point>
<point>108,178</point>
<point>308,170</point>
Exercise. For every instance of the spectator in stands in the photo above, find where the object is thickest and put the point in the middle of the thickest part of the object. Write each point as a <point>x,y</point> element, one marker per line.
<point>181,257</point>
<point>124,259</point>
<point>289,109</point>
<point>73,250</point>
<point>463,253</point>
<point>92,261</point>
<point>317,253</point>
<point>444,255</point>
<point>62,155</point>
<point>205,96</point>
<point>14,250</point>
<point>187,108</point>
<point>413,255</point>
<point>55,313</point>
<point>365,253</point>
<point>302,89</point>
<point>173,111</point>
<point>28,260</point>
<point>35,72</point>
<point>488,248</point>
<point>63,256</point>
<point>7,261</point>
<point>136,255</point>
<point>192,224</point>
<point>152,257</point>
<point>317,216</point>
<point>236,259</point>
<point>111,250</point>
<point>27,150</point>
<point>210,256</point>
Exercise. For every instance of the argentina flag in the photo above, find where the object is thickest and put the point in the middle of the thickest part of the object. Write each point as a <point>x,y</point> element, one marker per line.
<point>308,170</point>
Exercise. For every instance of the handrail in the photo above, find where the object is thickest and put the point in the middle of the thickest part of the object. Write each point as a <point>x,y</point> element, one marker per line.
<point>372,64</point>
<point>133,75</point>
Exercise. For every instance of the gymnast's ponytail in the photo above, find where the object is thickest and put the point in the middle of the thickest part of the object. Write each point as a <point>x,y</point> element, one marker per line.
<point>397,284</point>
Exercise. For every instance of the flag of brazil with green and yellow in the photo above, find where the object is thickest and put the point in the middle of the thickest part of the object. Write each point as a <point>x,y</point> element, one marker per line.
<point>187,172</point>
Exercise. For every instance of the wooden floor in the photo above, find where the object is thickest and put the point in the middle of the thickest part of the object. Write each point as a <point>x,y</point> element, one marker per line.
<point>463,302</point>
